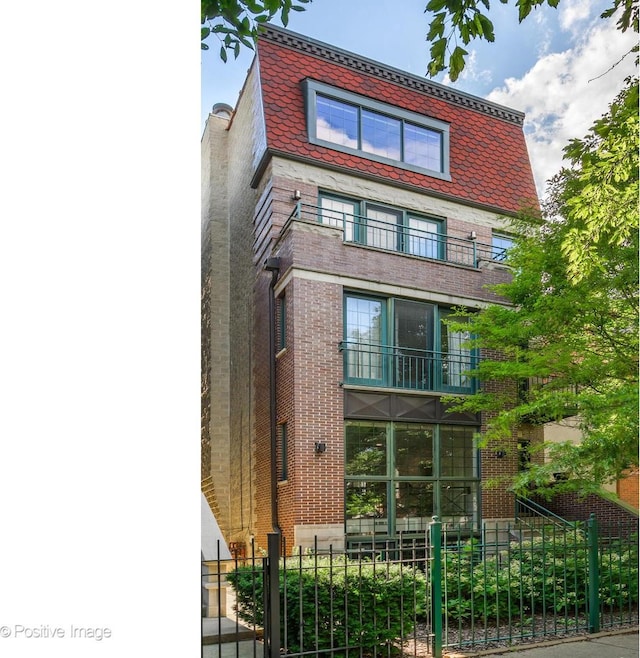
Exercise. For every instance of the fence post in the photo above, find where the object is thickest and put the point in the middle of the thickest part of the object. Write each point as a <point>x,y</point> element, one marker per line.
<point>435,537</point>
<point>272,596</point>
<point>594,575</point>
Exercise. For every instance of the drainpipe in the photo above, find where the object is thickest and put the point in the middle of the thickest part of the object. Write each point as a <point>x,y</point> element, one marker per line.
<point>273,265</point>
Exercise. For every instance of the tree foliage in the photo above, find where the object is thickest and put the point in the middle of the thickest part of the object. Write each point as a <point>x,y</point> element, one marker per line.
<point>572,330</point>
<point>456,23</point>
<point>236,22</point>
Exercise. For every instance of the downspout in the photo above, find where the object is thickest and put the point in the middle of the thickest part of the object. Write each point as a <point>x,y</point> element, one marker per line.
<point>273,265</point>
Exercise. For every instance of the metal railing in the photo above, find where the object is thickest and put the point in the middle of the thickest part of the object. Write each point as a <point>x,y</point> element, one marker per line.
<point>388,236</point>
<point>527,509</point>
<point>372,364</point>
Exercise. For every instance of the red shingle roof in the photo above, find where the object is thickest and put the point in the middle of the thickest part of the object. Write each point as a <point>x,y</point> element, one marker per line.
<point>489,162</point>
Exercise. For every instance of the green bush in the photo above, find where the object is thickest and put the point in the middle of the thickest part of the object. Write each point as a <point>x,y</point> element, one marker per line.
<point>541,575</point>
<point>335,603</point>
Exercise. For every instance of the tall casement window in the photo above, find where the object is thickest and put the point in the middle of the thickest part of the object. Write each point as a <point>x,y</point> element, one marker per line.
<point>281,322</point>
<point>384,227</point>
<point>404,344</point>
<point>282,456</point>
<point>363,126</point>
<point>398,475</point>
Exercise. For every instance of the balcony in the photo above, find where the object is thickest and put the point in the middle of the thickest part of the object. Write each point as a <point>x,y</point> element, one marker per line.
<point>562,404</point>
<point>397,237</point>
<point>367,364</point>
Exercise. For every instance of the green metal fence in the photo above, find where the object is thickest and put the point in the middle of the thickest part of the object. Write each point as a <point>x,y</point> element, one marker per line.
<point>516,582</point>
<point>451,588</point>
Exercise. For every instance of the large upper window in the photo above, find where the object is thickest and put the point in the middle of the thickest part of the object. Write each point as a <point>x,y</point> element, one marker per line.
<point>392,229</point>
<point>356,124</point>
<point>404,344</point>
<point>398,475</point>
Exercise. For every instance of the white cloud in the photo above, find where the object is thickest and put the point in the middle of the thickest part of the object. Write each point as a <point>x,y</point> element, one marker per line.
<point>564,93</point>
<point>544,33</point>
<point>573,13</point>
<point>470,73</point>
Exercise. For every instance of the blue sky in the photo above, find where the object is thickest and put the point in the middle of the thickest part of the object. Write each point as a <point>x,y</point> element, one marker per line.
<point>545,66</point>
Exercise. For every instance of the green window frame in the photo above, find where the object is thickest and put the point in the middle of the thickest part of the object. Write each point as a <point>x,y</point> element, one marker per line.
<point>365,323</point>
<point>403,343</point>
<point>399,475</point>
<point>384,227</point>
<point>358,125</point>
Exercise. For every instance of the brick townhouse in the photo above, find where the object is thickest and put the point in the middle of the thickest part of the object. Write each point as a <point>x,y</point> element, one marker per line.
<point>348,207</point>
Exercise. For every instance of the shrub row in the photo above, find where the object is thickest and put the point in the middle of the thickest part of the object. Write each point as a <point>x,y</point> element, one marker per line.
<point>547,574</point>
<point>337,603</point>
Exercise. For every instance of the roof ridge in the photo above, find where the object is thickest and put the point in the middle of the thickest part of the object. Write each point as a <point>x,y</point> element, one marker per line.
<point>358,62</point>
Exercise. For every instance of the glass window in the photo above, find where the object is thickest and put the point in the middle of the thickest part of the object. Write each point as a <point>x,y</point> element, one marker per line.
<point>456,356</point>
<point>381,135</point>
<point>282,453</point>
<point>423,352</point>
<point>414,506</point>
<point>382,227</point>
<point>423,237</point>
<point>282,322</point>
<point>422,147</point>
<point>458,502</point>
<point>366,507</point>
<point>337,122</point>
<point>340,213</point>
<point>499,245</point>
<point>399,475</point>
<point>414,334</point>
<point>378,131</point>
<point>457,453</point>
<point>366,449</point>
<point>364,334</point>
<point>414,450</point>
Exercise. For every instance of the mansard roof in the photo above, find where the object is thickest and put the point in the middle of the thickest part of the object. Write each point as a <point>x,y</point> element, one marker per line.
<point>489,162</point>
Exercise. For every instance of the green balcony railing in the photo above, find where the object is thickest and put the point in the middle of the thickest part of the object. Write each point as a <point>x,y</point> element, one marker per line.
<point>396,237</point>
<point>390,366</point>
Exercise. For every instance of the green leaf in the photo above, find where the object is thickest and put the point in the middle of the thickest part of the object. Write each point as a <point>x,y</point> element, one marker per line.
<point>524,9</point>
<point>436,29</point>
<point>438,49</point>
<point>223,53</point>
<point>456,62</point>
<point>436,5</point>
<point>487,27</point>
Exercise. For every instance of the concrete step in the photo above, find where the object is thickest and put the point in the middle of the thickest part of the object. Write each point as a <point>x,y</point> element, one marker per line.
<point>220,630</point>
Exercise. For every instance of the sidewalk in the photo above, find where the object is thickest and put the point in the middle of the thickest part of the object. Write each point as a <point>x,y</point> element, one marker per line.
<point>610,644</point>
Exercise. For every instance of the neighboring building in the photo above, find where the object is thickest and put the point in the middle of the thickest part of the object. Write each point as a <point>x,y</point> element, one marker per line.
<point>348,207</point>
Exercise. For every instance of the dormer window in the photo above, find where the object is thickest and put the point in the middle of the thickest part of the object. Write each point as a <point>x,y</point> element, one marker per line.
<point>371,129</point>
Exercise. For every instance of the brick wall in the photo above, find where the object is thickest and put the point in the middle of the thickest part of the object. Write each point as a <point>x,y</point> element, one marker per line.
<point>215,269</point>
<point>627,489</point>
<point>573,507</point>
